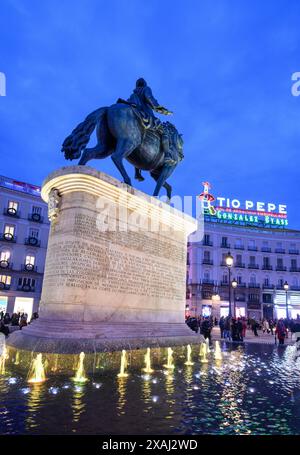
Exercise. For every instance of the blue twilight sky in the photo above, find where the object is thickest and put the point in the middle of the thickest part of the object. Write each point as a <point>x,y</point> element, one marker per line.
<point>224,68</point>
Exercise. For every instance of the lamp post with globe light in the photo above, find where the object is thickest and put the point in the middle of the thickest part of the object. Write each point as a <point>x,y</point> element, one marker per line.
<point>234,285</point>
<point>286,288</point>
<point>229,264</point>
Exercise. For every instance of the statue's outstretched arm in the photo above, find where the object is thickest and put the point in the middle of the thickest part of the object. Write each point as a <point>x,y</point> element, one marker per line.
<point>154,104</point>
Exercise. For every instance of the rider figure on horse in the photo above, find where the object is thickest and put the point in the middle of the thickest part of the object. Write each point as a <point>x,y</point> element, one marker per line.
<point>144,103</point>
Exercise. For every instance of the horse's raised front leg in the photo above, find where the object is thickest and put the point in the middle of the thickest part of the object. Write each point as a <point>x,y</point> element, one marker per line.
<point>98,152</point>
<point>123,149</point>
<point>165,173</point>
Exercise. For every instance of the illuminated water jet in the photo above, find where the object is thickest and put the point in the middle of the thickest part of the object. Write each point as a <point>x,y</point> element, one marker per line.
<point>170,365</point>
<point>80,372</point>
<point>123,366</point>
<point>4,356</point>
<point>37,373</point>
<point>218,352</point>
<point>189,356</point>
<point>203,353</point>
<point>147,358</point>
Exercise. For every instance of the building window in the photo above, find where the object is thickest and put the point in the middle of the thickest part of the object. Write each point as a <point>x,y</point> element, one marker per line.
<point>30,260</point>
<point>280,282</point>
<point>279,263</point>
<point>37,210</point>
<point>206,256</point>
<point>12,207</point>
<point>26,283</point>
<point>293,263</point>
<point>224,241</point>
<point>9,231</point>
<point>251,244</point>
<point>252,260</point>
<point>4,259</point>
<point>266,282</point>
<point>206,276</point>
<point>225,278</point>
<point>239,279</point>
<point>266,261</point>
<point>4,256</point>
<point>5,279</point>
<point>206,239</point>
<point>238,259</point>
<point>34,233</point>
<point>253,279</point>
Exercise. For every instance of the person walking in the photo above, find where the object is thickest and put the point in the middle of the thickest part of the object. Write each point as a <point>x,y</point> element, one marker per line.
<point>227,328</point>
<point>206,328</point>
<point>281,332</point>
<point>222,325</point>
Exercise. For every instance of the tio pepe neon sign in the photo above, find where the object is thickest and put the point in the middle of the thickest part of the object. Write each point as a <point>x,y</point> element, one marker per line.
<point>250,212</point>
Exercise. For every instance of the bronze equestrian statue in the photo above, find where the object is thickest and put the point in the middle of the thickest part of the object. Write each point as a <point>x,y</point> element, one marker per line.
<point>129,129</point>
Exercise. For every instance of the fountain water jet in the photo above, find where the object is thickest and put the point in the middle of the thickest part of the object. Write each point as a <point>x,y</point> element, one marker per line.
<point>37,373</point>
<point>80,373</point>
<point>17,358</point>
<point>123,366</point>
<point>203,352</point>
<point>189,355</point>
<point>4,356</point>
<point>218,352</point>
<point>170,365</point>
<point>207,345</point>
<point>147,358</point>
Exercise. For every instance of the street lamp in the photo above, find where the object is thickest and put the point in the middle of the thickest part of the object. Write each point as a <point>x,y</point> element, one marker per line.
<point>229,263</point>
<point>286,288</point>
<point>234,285</point>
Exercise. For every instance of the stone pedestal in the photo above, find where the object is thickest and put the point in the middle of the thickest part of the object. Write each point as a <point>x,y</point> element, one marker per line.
<point>115,273</point>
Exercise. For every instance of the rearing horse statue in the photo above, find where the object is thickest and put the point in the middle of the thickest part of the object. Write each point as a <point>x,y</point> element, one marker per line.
<point>121,133</point>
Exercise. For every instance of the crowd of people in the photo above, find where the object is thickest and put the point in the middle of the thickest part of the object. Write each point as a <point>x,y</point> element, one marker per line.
<point>235,329</point>
<point>15,320</point>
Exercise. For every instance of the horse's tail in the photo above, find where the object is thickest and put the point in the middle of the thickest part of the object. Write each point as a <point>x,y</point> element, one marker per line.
<point>80,136</point>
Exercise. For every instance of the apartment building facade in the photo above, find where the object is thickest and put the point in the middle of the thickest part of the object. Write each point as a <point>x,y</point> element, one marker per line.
<point>24,229</point>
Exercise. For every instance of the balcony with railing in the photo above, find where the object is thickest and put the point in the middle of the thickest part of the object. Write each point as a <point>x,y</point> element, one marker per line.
<point>280,250</point>
<point>295,288</point>
<point>239,247</point>
<point>207,261</point>
<point>253,285</point>
<point>293,251</point>
<point>224,283</point>
<point>207,281</point>
<point>36,217</point>
<point>239,265</point>
<point>5,264</point>
<point>28,268</point>
<point>8,237</point>
<point>267,267</point>
<point>266,249</point>
<point>225,245</point>
<point>281,268</point>
<point>4,286</point>
<point>253,266</point>
<point>32,241</point>
<point>294,269</point>
<point>26,288</point>
<point>268,286</point>
<point>252,248</point>
<point>207,243</point>
<point>12,212</point>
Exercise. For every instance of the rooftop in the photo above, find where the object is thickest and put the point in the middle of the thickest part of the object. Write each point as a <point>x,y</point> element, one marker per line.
<point>22,187</point>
